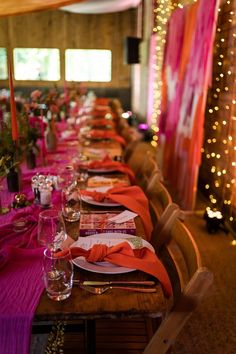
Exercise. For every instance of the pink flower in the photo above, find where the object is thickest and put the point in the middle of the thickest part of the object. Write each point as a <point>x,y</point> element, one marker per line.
<point>35,94</point>
<point>54,108</point>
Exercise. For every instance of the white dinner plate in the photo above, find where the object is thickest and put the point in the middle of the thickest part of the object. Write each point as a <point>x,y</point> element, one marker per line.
<point>90,200</point>
<point>109,239</point>
<point>102,170</point>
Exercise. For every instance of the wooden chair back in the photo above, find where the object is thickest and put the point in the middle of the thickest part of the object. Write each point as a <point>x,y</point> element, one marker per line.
<point>136,153</point>
<point>190,281</point>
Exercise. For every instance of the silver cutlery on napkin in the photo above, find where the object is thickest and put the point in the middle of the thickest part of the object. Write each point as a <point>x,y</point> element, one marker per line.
<point>122,282</point>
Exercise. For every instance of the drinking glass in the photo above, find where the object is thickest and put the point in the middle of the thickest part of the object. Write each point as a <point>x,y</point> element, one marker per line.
<point>81,167</point>
<point>66,177</point>
<point>51,229</point>
<point>57,275</point>
<point>71,203</point>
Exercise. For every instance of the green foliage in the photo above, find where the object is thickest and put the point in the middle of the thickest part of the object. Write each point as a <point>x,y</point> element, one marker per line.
<point>10,154</point>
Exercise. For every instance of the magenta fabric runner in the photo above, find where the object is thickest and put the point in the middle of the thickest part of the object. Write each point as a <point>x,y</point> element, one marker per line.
<point>19,296</point>
<point>21,284</point>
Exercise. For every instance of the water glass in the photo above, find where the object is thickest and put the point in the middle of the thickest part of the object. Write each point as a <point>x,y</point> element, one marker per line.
<point>51,229</point>
<point>66,177</point>
<point>71,203</point>
<point>57,276</point>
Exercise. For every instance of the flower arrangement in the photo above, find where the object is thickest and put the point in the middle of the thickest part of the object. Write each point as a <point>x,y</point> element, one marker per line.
<point>10,154</point>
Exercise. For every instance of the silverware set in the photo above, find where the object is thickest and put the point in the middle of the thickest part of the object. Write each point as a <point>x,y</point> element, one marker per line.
<point>100,287</point>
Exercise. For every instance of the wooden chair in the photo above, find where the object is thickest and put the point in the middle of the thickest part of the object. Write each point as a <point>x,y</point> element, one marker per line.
<point>135,153</point>
<point>149,174</point>
<point>190,281</point>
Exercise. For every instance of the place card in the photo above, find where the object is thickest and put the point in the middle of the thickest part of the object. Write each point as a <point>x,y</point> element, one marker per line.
<point>94,223</point>
<point>123,217</point>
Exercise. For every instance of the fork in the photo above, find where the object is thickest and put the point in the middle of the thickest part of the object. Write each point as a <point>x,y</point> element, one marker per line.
<point>102,289</point>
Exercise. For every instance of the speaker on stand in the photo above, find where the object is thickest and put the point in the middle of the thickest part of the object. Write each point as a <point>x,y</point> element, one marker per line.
<point>131,50</point>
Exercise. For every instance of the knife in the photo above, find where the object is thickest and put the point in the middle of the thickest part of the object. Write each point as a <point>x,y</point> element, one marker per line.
<point>124,282</point>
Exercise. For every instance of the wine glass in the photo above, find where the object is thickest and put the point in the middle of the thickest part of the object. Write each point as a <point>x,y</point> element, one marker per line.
<point>66,177</point>
<point>51,229</point>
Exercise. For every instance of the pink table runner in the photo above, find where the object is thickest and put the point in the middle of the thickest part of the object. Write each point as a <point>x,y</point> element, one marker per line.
<point>20,282</point>
<point>21,261</point>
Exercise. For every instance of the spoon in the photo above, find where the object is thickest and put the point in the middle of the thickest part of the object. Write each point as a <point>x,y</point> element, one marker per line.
<point>102,289</point>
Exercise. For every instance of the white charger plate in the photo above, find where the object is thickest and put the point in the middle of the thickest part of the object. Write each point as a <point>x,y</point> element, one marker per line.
<point>101,170</point>
<point>90,200</point>
<point>109,239</point>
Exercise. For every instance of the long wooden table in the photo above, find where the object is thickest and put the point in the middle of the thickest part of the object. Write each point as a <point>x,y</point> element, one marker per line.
<point>115,303</point>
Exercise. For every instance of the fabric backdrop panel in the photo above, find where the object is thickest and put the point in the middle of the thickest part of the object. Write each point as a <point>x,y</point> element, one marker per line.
<point>186,77</point>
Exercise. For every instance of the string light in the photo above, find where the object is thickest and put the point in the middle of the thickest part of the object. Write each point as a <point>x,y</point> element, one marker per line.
<point>221,155</point>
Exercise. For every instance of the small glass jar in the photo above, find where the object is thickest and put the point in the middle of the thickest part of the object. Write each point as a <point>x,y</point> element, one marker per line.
<point>35,188</point>
<point>45,195</point>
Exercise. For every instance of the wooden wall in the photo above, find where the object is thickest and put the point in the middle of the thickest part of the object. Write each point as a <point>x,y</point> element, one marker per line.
<point>60,29</point>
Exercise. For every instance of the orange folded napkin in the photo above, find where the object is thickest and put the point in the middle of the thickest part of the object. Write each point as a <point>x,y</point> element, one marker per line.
<point>108,163</point>
<point>101,101</point>
<point>123,255</point>
<point>100,112</point>
<point>99,122</point>
<point>132,198</point>
<point>104,134</point>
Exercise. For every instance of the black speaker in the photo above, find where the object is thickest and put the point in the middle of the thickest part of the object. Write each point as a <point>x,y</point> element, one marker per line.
<point>131,50</point>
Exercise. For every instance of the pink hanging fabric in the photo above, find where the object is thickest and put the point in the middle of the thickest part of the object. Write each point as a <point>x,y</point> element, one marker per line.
<point>186,76</point>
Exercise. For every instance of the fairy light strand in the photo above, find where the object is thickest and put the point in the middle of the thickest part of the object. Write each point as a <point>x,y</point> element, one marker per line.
<point>220,144</point>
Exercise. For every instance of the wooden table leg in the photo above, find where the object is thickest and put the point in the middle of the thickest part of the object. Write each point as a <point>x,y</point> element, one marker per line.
<point>90,336</point>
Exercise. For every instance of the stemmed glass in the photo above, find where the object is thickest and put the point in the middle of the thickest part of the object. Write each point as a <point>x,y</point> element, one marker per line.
<point>66,177</point>
<point>51,229</point>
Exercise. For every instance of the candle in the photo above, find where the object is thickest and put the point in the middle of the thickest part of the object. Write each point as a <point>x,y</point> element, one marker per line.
<point>1,120</point>
<point>43,147</point>
<point>14,126</point>
<point>45,196</point>
<point>66,93</point>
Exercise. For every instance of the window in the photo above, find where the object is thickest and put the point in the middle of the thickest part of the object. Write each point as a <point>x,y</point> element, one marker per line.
<point>3,64</point>
<point>88,65</point>
<point>36,64</point>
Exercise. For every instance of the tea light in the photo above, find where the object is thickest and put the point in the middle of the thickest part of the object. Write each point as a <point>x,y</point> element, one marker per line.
<point>214,219</point>
<point>45,195</point>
